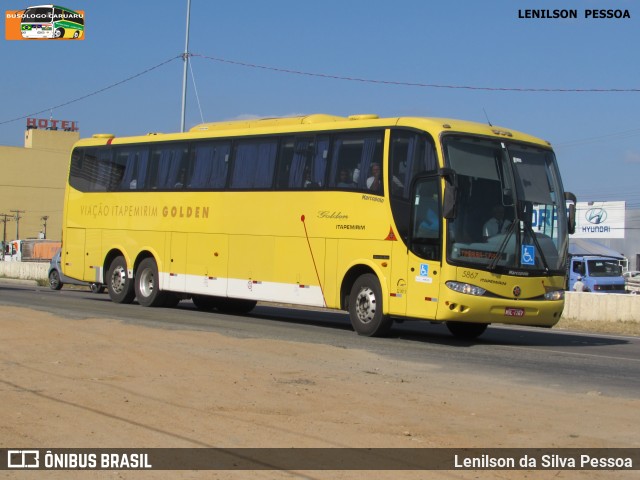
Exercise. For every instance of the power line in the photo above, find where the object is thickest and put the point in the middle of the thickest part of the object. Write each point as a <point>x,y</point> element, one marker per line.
<point>108,87</point>
<point>586,141</point>
<point>339,77</point>
<point>416,84</point>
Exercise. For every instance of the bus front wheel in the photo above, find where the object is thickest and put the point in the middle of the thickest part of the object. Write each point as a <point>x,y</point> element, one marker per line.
<point>59,33</point>
<point>119,285</point>
<point>466,330</point>
<point>147,291</point>
<point>365,307</point>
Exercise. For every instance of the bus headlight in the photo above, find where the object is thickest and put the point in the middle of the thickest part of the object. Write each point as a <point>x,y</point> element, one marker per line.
<point>554,295</point>
<point>466,288</point>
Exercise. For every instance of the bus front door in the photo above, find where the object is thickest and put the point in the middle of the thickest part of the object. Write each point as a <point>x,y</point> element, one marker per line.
<point>425,249</point>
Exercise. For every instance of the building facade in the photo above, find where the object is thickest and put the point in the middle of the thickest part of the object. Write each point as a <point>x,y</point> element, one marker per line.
<point>33,183</point>
<point>629,246</point>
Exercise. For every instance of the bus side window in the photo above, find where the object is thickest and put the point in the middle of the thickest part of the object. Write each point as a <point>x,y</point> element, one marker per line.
<point>78,178</point>
<point>168,162</point>
<point>209,165</point>
<point>411,154</point>
<point>300,173</point>
<point>303,163</point>
<point>133,163</point>
<point>100,169</point>
<point>284,163</point>
<point>360,154</point>
<point>254,164</point>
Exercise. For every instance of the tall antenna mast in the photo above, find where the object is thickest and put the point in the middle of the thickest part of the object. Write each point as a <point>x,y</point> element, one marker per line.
<point>185,58</point>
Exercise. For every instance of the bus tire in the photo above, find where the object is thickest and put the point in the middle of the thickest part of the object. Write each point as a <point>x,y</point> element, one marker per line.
<point>366,307</point>
<point>236,305</point>
<point>466,330</point>
<point>120,287</point>
<point>205,303</point>
<point>96,288</point>
<point>171,299</point>
<point>59,33</point>
<point>147,284</point>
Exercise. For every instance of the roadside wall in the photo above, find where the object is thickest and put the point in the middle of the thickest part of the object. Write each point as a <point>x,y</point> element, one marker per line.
<point>601,306</point>
<point>578,305</point>
<point>24,270</point>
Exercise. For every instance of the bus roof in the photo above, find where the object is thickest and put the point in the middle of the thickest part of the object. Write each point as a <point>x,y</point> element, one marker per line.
<point>48,6</point>
<point>319,122</point>
<point>51,6</point>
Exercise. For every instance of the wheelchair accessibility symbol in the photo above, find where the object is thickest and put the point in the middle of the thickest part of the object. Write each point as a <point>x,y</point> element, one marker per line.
<point>528,256</point>
<point>424,274</point>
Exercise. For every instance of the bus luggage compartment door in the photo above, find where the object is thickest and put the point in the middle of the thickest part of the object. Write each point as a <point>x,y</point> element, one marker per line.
<point>73,255</point>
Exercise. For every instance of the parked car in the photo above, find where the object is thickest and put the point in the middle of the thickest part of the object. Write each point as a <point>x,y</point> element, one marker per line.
<point>57,279</point>
<point>632,281</point>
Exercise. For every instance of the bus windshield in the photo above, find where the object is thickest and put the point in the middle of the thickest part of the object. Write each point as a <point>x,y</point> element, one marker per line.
<point>38,15</point>
<point>510,213</point>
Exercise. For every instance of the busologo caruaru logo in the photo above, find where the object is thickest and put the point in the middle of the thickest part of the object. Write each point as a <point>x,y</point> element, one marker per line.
<point>44,22</point>
<point>596,216</point>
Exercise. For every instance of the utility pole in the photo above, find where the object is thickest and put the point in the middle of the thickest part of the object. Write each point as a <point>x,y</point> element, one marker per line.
<point>5,218</point>
<point>17,217</point>
<point>185,58</point>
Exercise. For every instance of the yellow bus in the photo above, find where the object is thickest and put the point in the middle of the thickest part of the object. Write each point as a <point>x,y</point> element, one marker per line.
<point>387,218</point>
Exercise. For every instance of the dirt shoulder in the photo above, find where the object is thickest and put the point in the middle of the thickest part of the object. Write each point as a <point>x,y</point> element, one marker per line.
<point>600,326</point>
<point>103,383</point>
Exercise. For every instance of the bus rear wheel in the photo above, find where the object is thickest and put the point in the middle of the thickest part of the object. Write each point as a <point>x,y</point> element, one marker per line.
<point>365,307</point>
<point>147,284</point>
<point>466,330</point>
<point>119,285</point>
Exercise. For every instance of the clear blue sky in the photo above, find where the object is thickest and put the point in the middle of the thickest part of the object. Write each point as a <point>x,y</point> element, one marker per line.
<point>456,43</point>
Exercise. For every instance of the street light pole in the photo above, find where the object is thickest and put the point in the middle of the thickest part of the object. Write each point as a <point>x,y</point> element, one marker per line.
<point>185,58</point>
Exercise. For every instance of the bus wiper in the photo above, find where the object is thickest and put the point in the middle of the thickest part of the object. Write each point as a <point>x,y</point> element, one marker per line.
<point>503,245</point>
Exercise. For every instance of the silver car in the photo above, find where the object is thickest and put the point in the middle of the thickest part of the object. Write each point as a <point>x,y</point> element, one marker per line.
<point>57,279</point>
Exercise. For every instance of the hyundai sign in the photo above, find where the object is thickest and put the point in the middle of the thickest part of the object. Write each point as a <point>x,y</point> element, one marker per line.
<point>600,220</point>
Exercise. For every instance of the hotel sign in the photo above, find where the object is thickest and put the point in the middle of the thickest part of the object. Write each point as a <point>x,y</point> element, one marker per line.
<point>44,123</point>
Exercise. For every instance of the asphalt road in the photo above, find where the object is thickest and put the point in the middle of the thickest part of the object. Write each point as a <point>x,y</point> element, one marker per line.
<point>579,362</point>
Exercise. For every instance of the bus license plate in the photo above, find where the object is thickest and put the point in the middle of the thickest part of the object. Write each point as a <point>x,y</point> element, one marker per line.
<point>514,312</point>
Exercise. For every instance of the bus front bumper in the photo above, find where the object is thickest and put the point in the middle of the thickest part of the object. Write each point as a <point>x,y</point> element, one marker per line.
<point>477,309</point>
